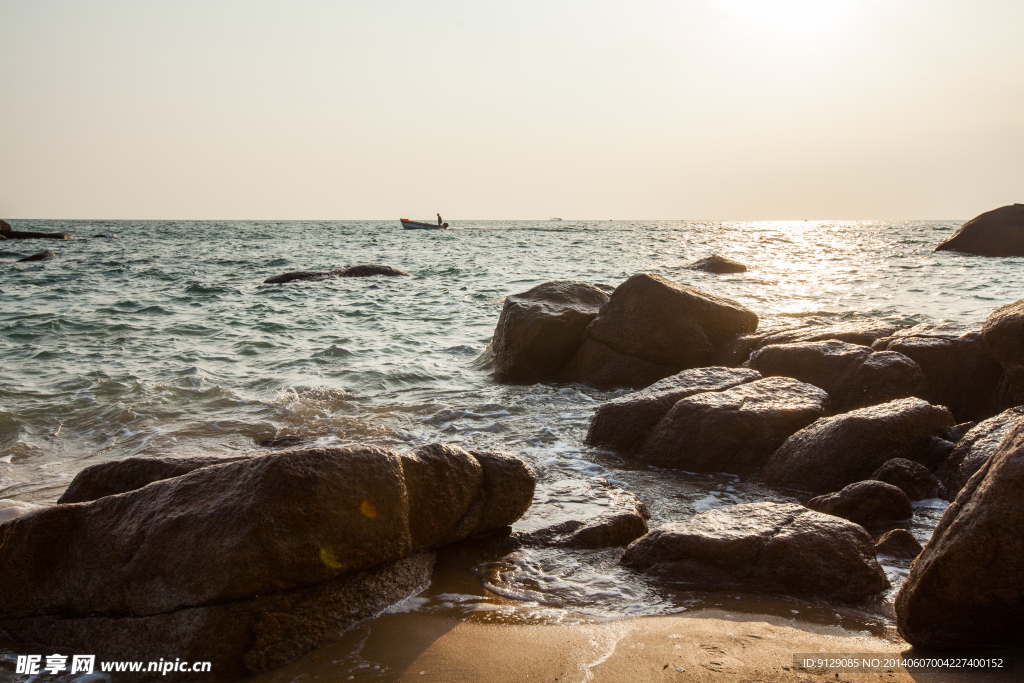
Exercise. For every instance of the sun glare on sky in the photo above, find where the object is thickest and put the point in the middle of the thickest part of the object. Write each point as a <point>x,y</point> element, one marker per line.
<point>791,19</point>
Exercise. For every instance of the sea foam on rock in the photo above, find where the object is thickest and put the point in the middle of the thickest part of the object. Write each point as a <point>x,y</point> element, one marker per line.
<point>843,449</point>
<point>999,232</point>
<point>735,430</point>
<point>539,330</point>
<point>653,327</point>
<point>966,588</point>
<point>234,558</point>
<point>765,548</point>
<point>854,376</point>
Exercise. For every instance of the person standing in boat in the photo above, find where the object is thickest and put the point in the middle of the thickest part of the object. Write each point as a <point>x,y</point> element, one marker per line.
<point>439,219</point>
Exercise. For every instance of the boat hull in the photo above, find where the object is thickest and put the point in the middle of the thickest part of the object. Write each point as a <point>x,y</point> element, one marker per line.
<point>417,225</point>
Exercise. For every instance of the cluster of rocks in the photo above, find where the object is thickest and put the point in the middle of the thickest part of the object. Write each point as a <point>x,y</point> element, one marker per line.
<point>247,563</point>
<point>354,271</point>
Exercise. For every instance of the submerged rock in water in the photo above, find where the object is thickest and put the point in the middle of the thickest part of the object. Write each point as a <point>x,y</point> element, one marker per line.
<point>1003,333</point>
<point>854,376</point>
<point>975,448</point>
<point>539,330</point>
<point>624,423</point>
<point>913,478</point>
<point>29,235</point>
<point>999,232</point>
<point>653,327</point>
<point>961,372</point>
<point>622,519</point>
<point>765,548</point>
<point>870,503</point>
<point>966,589</point>
<point>899,544</point>
<point>121,476</point>
<point>259,541</point>
<point>718,265</point>
<point>836,451</point>
<point>41,256</point>
<point>354,271</point>
<point>735,430</point>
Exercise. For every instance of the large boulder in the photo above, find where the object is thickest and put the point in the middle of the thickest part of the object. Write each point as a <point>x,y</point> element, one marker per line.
<point>718,265</point>
<point>1003,333</point>
<point>975,448</point>
<point>764,548</point>
<point>540,329</point>
<point>230,535</point>
<point>735,430</point>
<point>870,503</point>
<point>840,450</point>
<point>999,232</point>
<point>853,375</point>
<point>652,328</point>
<point>961,372</point>
<point>863,333</point>
<point>966,589</point>
<point>624,423</point>
<point>913,478</point>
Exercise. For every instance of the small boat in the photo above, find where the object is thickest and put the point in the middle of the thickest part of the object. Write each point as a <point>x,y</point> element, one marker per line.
<point>420,225</point>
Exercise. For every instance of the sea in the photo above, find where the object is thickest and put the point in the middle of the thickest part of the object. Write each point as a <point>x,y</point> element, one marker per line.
<point>161,339</point>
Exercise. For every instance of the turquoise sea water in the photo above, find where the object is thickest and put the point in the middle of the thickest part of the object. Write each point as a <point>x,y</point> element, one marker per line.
<point>164,341</point>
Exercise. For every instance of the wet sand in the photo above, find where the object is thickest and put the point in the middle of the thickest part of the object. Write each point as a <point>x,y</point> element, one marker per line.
<point>710,646</point>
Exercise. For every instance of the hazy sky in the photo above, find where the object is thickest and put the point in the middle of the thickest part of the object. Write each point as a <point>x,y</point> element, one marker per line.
<point>700,109</point>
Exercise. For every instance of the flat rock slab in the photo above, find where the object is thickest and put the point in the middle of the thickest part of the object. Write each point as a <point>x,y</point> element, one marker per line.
<point>624,423</point>
<point>836,451</point>
<point>870,503</point>
<point>354,271</point>
<point>735,430</point>
<point>765,548</point>
<point>539,330</point>
<point>999,232</point>
<point>966,588</point>
<point>653,327</point>
<point>854,376</point>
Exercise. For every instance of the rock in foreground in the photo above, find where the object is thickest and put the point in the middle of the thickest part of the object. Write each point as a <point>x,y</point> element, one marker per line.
<point>735,430</point>
<point>764,548</point>
<point>966,589</point>
<point>840,450</point>
<point>653,327</point>
<point>624,423</point>
<point>999,232</point>
<point>257,560</point>
<point>539,330</point>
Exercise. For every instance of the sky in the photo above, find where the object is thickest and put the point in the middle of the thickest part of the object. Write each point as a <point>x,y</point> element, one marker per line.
<point>588,109</point>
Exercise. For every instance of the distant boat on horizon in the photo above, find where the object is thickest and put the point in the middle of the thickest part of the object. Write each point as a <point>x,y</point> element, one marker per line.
<point>421,225</point>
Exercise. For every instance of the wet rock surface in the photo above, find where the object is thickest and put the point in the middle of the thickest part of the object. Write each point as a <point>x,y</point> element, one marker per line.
<point>735,430</point>
<point>854,376</point>
<point>975,448</point>
<point>271,542</point>
<point>870,503</point>
<point>121,476</point>
<point>622,519</point>
<point>1003,333</point>
<point>718,265</point>
<point>966,588</point>
<point>899,544</point>
<point>999,232</point>
<point>539,330</point>
<point>836,451</point>
<point>354,271</point>
<point>961,372</point>
<point>913,478</point>
<point>763,547</point>
<point>653,327</point>
<point>624,423</point>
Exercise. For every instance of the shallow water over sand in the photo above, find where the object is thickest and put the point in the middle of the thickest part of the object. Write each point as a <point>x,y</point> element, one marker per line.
<point>164,341</point>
